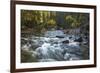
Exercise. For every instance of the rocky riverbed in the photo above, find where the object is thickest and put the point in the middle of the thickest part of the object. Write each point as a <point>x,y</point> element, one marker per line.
<point>54,46</point>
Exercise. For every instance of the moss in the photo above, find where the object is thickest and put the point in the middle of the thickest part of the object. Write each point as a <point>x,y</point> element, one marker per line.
<point>27,57</point>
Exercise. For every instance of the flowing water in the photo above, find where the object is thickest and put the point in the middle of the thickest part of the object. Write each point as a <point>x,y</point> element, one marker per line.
<point>55,46</point>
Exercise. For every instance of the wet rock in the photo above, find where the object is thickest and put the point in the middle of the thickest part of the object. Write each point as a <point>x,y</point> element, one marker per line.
<point>60,36</point>
<point>78,39</point>
<point>23,41</point>
<point>33,46</point>
<point>85,43</point>
<point>86,37</point>
<point>28,56</point>
<point>70,37</point>
<point>66,42</point>
<point>73,50</point>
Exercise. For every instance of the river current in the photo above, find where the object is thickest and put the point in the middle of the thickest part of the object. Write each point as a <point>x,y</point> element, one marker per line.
<point>55,46</point>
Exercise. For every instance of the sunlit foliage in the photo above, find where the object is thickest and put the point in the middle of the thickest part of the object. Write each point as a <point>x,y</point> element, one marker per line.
<point>40,20</point>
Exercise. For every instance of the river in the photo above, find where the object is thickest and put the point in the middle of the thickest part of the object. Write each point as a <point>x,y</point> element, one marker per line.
<point>56,46</point>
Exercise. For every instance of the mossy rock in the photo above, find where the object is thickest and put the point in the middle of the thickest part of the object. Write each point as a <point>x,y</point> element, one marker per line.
<point>27,56</point>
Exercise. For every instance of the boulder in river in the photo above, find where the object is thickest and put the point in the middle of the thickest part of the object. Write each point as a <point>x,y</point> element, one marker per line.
<point>78,39</point>
<point>70,37</point>
<point>66,42</point>
<point>60,36</point>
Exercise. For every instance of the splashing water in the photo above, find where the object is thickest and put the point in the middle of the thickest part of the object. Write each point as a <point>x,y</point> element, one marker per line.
<point>52,48</point>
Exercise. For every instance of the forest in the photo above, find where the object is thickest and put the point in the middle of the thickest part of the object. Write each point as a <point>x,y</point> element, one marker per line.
<point>40,21</point>
<point>42,30</point>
